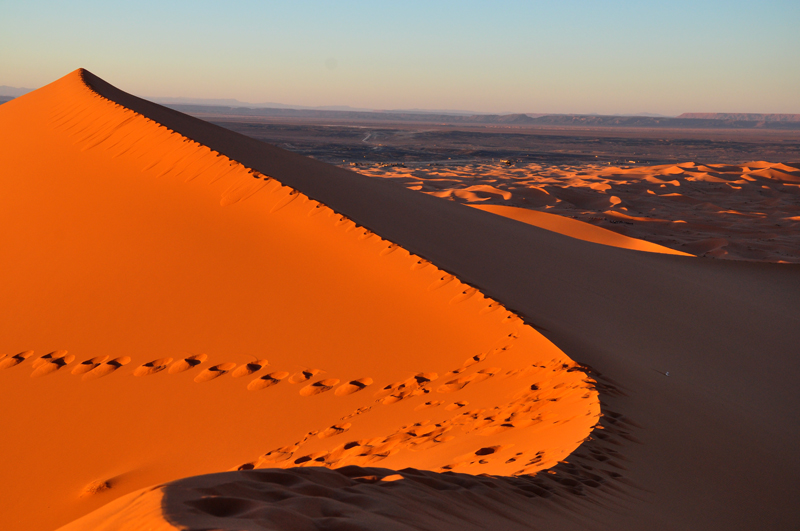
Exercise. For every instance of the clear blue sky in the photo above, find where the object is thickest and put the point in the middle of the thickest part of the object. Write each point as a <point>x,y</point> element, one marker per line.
<point>570,56</point>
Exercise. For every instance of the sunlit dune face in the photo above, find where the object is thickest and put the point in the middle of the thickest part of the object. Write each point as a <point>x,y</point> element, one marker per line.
<point>747,212</point>
<point>170,312</point>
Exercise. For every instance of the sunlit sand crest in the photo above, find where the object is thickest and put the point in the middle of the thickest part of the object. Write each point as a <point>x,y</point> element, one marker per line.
<point>212,318</point>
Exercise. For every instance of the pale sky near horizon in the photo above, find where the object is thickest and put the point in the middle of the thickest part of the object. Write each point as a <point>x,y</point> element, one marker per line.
<point>569,56</point>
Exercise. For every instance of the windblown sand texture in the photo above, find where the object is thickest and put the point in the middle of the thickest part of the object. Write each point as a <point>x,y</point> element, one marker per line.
<point>212,318</point>
<point>184,301</point>
<point>742,212</point>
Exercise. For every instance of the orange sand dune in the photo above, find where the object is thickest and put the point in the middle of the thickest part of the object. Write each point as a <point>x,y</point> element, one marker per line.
<point>205,317</point>
<point>576,229</point>
<point>205,314</point>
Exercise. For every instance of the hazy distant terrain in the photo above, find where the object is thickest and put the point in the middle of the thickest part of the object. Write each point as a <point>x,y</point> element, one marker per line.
<point>430,143</point>
<point>747,117</point>
<point>13,92</point>
<point>685,121</point>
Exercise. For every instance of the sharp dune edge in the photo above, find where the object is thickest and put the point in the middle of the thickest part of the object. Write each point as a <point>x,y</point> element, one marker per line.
<point>576,229</point>
<point>197,301</point>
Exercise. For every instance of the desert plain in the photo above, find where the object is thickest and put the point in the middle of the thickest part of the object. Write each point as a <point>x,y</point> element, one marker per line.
<point>201,330</point>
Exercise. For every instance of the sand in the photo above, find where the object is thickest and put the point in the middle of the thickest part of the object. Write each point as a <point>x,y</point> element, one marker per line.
<point>198,303</point>
<point>743,212</point>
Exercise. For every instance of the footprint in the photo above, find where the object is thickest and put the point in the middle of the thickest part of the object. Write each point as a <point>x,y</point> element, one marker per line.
<point>426,405</point>
<point>12,361</point>
<point>52,364</point>
<point>214,372</point>
<point>442,281</point>
<point>455,385</point>
<point>453,373</point>
<point>285,200</point>
<point>104,369</point>
<point>336,429</point>
<point>152,367</point>
<point>187,363</point>
<point>419,264</point>
<point>425,377</point>
<point>318,208</point>
<point>392,247</point>
<point>484,374</point>
<point>47,358</point>
<point>88,365</point>
<point>405,386</point>
<point>493,430</point>
<point>303,376</point>
<point>489,450</point>
<point>318,387</point>
<point>408,388</point>
<point>249,368</point>
<point>474,359</point>
<point>353,386</point>
<point>359,411</point>
<point>492,307</point>
<point>464,295</point>
<point>268,380</point>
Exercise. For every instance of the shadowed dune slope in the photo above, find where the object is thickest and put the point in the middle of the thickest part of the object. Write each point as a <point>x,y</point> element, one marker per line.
<point>714,447</point>
<point>168,312</point>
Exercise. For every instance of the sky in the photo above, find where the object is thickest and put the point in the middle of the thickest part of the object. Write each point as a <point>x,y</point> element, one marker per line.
<point>567,56</point>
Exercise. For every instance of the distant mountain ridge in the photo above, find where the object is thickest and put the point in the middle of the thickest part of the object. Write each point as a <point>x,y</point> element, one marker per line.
<point>209,112</point>
<point>230,102</point>
<point>13,92</point>
<point>234,107</point>
<point>741,117</point>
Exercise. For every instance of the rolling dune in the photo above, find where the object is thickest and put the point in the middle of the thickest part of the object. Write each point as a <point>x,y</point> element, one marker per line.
<point>186,301</point>
<point>742,212</point>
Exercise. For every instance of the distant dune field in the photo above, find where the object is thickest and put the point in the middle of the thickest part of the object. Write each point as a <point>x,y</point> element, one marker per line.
<point>748,211</point>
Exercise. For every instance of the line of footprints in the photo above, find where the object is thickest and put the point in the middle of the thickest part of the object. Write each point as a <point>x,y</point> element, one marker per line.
<point>100,366</point>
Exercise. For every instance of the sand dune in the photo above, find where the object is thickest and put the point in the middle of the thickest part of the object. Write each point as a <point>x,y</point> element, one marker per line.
<point>203,306</point>
<point>687,207</point>
<point>575,229</point>
<point>242,308</point>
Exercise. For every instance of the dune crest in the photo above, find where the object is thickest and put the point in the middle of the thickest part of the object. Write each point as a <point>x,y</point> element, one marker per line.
<point>576,229</point>
<point>172,272</point>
